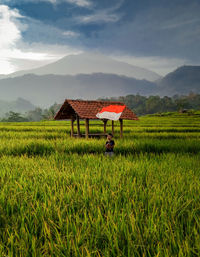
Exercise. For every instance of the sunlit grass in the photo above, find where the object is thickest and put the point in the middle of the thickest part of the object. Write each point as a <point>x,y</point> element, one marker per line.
<point>62,197</point>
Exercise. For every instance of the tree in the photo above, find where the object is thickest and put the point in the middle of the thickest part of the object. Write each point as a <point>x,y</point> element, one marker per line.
<point>49,114</point>
<point>14,117</point>
<point>182,103</point>
<point>35,115</point>
<point>153,104</point>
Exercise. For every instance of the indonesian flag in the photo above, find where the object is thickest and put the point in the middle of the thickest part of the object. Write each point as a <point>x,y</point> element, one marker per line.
<point>111,112</point>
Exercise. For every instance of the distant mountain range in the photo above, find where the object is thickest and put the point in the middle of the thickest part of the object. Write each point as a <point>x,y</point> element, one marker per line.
<point>101,77</point>
<point>88,63</point>
<point>47,89</point>
<point>182,81</point>
<point>20,105</point>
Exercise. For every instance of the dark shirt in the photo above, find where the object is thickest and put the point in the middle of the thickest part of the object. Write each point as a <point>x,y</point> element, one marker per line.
<point>111,143</point>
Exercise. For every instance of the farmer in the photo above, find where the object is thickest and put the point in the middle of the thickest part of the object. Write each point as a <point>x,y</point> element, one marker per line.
<point>109,145</point>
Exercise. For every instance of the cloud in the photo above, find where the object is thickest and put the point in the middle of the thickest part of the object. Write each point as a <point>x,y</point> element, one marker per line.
<point>80,3</point>
<point>177,24</point>
<point>14,52</point>
<point>105,15</point>
<point>9,34</point>
<point>47,34</point>
<point>161,65</point>
<point>69,33</point>
<point>42,54</point>
<point>168,31</point>
<point>157,34</point>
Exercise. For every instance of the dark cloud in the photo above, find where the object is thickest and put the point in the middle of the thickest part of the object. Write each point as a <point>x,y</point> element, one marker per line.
<point>162,30</point>
<point>133,27</point>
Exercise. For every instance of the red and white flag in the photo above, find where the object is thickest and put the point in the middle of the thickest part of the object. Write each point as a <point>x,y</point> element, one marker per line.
<point>111,112</point>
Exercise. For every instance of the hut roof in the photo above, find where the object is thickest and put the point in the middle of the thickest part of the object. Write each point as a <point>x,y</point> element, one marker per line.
<point>88,110</point>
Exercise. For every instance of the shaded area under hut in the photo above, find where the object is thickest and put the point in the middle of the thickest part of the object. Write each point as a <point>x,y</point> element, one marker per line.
<point>77,110</point>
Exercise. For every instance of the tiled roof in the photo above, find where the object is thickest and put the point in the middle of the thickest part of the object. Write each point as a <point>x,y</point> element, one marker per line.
<point>89,109</point>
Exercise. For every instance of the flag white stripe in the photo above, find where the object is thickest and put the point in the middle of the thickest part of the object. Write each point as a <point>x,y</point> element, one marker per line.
<point>109,115</point>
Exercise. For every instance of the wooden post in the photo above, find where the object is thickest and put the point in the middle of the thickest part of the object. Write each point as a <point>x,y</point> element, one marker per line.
<point>113,127</point>
<point>86,128</point>
<point>72,127</point>
<point>104,125</point>
<point>78,126</point>
<point>121,128</point>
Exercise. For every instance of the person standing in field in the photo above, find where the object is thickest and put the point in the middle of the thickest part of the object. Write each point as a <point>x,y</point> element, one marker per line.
<point>110,143</point>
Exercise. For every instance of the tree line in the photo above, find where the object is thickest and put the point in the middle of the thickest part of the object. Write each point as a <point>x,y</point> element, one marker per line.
<point>37,114</point>
<point>141,105</point>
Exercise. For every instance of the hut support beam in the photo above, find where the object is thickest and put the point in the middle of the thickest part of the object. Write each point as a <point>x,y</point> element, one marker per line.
<point>78,126</point>
<point>86,128</point>
<point>104,125</point>
<point>72,127</point>
<point>113,130</point>
<point>121,128</point>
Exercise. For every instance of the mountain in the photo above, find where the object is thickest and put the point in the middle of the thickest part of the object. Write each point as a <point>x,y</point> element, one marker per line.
<point>20,105</point>
<point>182,81</point>
<point>88,63</point>
<point>44,90</point>
<point>47,89</point>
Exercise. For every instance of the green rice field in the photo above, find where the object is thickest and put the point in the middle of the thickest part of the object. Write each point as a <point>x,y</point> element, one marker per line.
<point>62,197</point>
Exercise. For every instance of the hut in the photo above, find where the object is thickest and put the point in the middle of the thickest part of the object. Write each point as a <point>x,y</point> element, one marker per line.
<point>87,110</point>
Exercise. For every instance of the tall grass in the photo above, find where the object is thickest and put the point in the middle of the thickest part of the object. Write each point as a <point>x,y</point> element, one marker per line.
<point>62,197</point>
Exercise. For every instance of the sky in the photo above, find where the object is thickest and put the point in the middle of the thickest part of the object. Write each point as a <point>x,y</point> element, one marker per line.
<point>160,35</point>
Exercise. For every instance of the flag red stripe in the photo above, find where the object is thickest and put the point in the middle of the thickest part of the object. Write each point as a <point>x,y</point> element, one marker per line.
<point>113,108</point>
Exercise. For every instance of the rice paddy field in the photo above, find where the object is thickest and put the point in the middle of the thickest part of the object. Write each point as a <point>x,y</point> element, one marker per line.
<point>62,197</point>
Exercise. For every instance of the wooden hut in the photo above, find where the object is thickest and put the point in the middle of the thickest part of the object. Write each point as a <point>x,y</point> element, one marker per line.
<point>87,110</point>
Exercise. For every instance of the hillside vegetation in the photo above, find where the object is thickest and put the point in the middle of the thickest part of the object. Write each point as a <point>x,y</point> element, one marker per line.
<point>99,83</point>
<point>155,104</point>
<point>141,105</point>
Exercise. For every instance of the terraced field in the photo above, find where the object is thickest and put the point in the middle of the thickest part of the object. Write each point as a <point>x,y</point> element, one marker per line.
<point>62,197</point>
